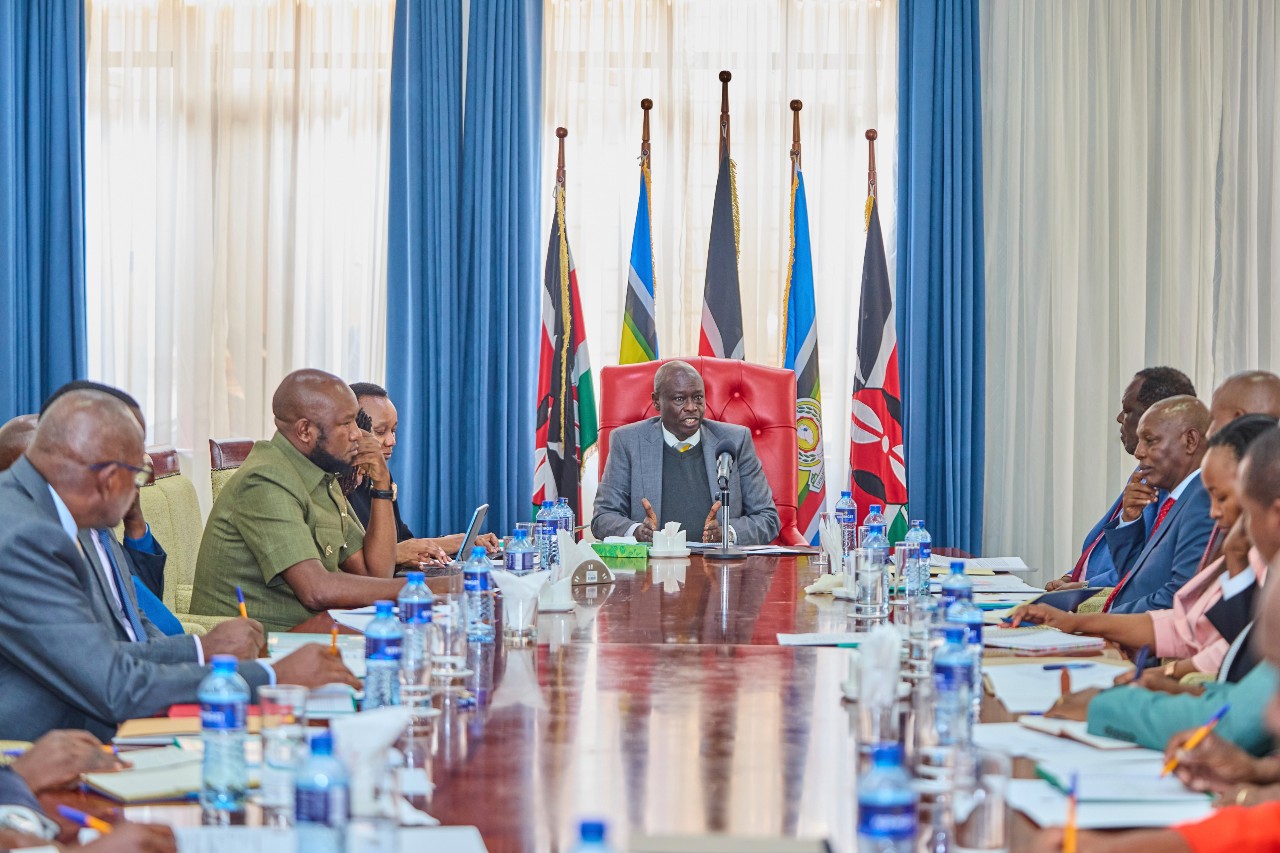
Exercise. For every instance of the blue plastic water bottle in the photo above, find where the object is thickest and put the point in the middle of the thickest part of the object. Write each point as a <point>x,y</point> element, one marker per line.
<point>592,838</point>
<point>847,518</point>
<point>415,605</point>
<point>322,799</point>
<point>224,701</point>
<point>519,556</point>
<point>956,586</point>
<point>919,585</point>
<point>886,805</point>
<point>953,681</point>
<point>969,616</point>
<point>383,647</point>
<point>546,525</point>
<point>478,584</point>
<point>567,519</point>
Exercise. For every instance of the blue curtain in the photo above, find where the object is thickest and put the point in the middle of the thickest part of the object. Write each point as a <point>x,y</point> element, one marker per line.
<point>42,309</point>
<point>941,316</point>
<point>424,319</point>
<point>463,266</point>
<point>500,269</point>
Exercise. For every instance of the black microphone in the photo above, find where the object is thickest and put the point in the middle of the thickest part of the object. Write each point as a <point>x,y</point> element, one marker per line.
<point>724,463</point>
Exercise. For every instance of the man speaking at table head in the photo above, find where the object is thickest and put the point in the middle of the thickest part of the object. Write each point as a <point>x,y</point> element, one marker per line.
<point>665,469</point>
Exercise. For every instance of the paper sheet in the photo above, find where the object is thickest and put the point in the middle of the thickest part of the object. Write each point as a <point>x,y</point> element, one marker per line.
<point>830,639</point>
<point>1132,782</point>
<point>243,839</point>
<point>357,620</point>
<point>1031,689</point>
<point>1038,640</point>
<point>1045,806</point>
<point>1020,742</point>
<point>1076,730</point>
<point>996,564</point>
<point>350,646</point>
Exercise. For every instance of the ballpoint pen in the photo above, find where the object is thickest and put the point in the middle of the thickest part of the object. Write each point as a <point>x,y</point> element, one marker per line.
<point>1195,740</point>
<point>244,613</point>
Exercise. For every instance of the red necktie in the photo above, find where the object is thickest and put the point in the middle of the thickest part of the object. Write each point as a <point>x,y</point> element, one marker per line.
<point>1164,510</point>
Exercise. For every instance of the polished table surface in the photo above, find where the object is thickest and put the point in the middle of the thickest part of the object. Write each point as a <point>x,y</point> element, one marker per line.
<point>667,709</point>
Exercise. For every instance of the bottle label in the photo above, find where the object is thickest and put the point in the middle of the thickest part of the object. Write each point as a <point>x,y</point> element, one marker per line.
<point>518,562</point>
<point>221,716</point>
<point>327,807</point>
<point>416,612</point>
<point>926,551</point>
<point>382,648</point>
<point>973,633</point>
<point>897,821</point>
<point>846,516</point>
<point>952,676</point>
<point>478,581</point>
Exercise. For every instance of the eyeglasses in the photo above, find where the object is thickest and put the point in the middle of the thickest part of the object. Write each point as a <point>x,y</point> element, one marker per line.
<point>141,474</point>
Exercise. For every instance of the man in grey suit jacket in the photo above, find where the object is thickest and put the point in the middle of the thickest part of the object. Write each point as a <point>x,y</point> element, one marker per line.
<point>1154,566</point>
<point>649,480</point>
<point>75,651</point>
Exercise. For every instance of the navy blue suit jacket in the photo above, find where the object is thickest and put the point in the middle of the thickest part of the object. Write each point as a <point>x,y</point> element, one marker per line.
<point>1161,563</point>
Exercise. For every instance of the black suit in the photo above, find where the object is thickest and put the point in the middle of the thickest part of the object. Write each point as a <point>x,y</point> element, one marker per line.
<point>147,567</point>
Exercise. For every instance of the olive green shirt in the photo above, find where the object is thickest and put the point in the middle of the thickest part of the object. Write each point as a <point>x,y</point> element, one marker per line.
<point>278,510</point>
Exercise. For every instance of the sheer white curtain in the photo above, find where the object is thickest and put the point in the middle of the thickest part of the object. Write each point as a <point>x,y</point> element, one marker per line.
<point>600,58</point>
<point>1131,185</point>
<point>236,203</point>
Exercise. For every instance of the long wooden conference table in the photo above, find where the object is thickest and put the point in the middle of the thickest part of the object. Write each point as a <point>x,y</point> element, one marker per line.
<point>665,706</point>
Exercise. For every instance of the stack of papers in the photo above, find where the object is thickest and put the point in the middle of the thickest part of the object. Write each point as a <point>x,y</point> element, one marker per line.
<point>1032,689</point>
<point>1040,640</point>
<point>169,773</point>
<point>1017,741</point>
<point>846,638</point>
<point>1047,806</point>
<point>939,564</point>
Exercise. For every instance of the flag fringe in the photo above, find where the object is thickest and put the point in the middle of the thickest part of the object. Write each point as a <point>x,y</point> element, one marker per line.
<point>566,409</point>
<point>737,219</point>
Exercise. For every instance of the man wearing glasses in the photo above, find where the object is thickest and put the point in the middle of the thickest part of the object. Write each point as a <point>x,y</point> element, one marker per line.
<point>74,650</point>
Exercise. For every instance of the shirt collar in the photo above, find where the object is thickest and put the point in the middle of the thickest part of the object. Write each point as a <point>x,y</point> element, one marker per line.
<point>1233,586</point>
<point>672,441</point>
<point>64,516</point>
<point>1177,491</point>
<point>311,473</point>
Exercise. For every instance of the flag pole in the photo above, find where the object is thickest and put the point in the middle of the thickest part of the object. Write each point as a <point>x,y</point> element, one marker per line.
<point>646,105</point>
<point>871,162</point>
<point>725,77</point>
<point>561,133</point>
<point>796,107</point>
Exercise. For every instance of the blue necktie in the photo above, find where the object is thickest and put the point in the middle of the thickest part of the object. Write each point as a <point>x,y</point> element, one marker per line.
<point>130,613</point>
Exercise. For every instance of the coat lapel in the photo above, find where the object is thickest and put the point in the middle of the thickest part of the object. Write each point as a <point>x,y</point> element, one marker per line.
<point>99,573</point>
<point>651,467</point>
<point>1165,526</point>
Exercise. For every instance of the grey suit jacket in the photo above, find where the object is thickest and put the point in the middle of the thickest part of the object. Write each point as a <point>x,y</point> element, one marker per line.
<point>66,660</point>
<point>1158,565</point>
<point>634,472</point>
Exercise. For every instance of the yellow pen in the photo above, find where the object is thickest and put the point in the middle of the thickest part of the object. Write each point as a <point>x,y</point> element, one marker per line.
<point>244,613</point>
<point>1195,740</point>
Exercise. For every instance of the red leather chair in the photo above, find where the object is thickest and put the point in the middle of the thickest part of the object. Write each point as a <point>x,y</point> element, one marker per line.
<point>762,399</point>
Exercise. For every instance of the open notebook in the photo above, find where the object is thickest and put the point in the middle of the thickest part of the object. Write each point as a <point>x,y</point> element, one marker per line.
<point>169,773</point>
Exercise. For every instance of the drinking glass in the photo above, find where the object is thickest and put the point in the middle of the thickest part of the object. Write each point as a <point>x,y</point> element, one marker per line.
<point>868,579</point>
<point>284,746</point>
<point>906,561</point>
<point>979,801</point>
<point>520,605</point>
<point>449,636</point>
<point>820,560</point>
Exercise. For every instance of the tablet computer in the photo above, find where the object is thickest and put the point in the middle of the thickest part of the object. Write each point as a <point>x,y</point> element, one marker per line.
<point>469,541</point>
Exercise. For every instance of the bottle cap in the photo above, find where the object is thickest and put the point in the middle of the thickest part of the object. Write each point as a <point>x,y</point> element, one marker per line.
<point>886,755</point>
<point>520,534</point>
<point>479,551</point>
<point>548,504</point>
<point>416,577</point>
<point>957,567</point>
<point>917,522</point>
<point>384,608</point>
<point>592,831</point>
<point>877,528</point>
<point>875,508</point>
<point>846,494</point>
<point>224,663</point>
<point>322,743</point>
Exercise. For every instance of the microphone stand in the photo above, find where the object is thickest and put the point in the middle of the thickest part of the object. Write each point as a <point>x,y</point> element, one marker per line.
<point>724,552</point>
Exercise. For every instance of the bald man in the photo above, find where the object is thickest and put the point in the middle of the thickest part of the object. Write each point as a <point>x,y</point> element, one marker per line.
<point>1253,392</point>
<point>15,435</point>
<point>75,651</point>
<point>1155,565</point>
<point>281,528</point>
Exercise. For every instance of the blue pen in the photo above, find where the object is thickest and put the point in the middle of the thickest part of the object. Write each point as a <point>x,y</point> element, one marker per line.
<point>1056,666</point>
<point>1140,662</point>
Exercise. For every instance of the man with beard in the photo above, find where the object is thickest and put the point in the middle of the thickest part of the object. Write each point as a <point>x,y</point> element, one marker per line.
<point>281,529</point>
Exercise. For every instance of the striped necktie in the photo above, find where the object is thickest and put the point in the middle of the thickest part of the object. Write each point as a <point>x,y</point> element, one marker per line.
<point>130,613</point>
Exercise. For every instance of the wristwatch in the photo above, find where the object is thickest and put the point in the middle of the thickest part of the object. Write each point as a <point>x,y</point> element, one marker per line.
<point>382,494</point>
<point>1170,669</point>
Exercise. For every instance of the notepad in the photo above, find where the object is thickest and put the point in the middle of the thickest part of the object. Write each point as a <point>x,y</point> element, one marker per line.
<point>1132,782</point>
<point>1076,730</point>
<point>1031,689</point>
<point>1040,640</point>
<point>1046,806</point>
<point>152,731</point>
<point>350,647</point>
